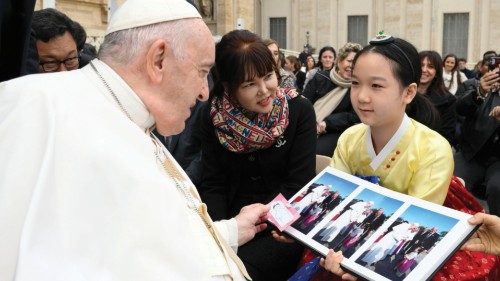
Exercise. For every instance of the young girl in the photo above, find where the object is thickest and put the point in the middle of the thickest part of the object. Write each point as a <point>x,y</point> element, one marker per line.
<point>258,140</point>
<point>407,156</point>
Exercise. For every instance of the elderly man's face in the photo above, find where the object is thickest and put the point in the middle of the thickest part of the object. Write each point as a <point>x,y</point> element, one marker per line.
<point>58,54</point>
<point>187,82</point>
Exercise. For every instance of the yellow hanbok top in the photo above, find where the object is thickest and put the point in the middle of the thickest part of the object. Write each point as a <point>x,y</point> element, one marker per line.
<point>416,161</point>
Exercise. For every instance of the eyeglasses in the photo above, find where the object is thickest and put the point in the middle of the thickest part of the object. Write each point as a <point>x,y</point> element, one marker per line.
<point>53,65</point>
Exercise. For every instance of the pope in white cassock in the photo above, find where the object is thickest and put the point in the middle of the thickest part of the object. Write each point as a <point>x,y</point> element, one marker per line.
<point>86,192</point>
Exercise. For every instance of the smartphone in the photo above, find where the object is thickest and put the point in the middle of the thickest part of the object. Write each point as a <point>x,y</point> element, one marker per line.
<point>493,62</point>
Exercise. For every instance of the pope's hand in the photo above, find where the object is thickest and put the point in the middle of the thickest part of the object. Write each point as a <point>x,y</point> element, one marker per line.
<point>250,221</point>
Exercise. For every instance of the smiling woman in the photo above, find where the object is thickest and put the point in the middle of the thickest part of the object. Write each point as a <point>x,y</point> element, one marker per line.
<point>258,140</point>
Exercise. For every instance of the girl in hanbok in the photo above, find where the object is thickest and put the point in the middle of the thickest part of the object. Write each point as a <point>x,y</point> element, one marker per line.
<point>407,156</point>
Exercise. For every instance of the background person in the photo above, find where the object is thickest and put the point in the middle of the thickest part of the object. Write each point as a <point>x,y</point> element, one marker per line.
<point>310,69</point>
<point>462,66</point>
<point>292,64</point>
<point>56,40</point>
<point>329,91</point>
<point>432,87</point>
<point>286,79</point>
<point>452,76</point>
<point>478,161</point>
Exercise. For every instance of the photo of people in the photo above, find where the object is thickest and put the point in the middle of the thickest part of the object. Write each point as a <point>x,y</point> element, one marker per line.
<point>355,223</point>
<point>319,199</point>
<point>406,242</point>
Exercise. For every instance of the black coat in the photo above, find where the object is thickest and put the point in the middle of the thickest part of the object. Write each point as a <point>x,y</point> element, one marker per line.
<point>343,116</point>
<point>445,105</point>
<point>339,120</point>
<point>300,78</point>
<point>231,180</point>
<point>478,128</point>
<point>17,49</point>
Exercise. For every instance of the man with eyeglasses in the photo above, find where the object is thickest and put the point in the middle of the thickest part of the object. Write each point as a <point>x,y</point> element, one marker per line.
<point>56,42</point>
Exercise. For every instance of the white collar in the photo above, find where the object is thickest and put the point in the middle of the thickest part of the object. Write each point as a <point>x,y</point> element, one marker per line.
<point>139,113</point>
<point>378,159</point>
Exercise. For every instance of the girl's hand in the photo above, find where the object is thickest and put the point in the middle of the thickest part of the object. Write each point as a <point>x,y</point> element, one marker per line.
<point>332,264</point>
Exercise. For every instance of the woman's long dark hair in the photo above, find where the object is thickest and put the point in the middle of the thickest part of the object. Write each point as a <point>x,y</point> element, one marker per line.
<point>240,56</point>
<point>437,83</point>
<point>455,69</point>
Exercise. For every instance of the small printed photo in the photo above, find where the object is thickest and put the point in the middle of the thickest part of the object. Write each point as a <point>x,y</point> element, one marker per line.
<point>318,199</point>
<point>281,213</point>
<point>354,224</point>
<point>406,242</point>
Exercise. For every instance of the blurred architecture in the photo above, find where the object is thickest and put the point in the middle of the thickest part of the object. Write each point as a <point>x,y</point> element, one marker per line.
<point>465,27</point>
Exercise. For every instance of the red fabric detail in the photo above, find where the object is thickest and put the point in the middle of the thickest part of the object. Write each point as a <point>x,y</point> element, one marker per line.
<point>463,265</point>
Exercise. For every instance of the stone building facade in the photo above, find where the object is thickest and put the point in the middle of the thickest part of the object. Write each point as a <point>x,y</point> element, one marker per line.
<point>441,25</point>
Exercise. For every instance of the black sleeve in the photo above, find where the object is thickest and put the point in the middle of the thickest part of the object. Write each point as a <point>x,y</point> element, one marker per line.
<point>449,120</point>
<point>214,187</point>
<point>340,121</point>
<point>468,104</point>
<point>301,78</point>
<point>311,89</point>
<point>301,164</point>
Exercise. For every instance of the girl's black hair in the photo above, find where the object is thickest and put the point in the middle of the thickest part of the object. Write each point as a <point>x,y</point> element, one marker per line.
<point>404,60</point>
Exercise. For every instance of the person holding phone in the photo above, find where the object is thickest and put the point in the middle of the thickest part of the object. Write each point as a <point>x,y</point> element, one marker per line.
<point>478,161</point>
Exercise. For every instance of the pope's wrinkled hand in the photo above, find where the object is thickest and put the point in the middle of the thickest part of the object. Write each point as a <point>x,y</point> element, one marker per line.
<point>251,220</point>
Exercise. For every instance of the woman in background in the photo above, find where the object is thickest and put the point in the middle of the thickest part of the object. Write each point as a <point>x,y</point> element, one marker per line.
<point>452,76</point>
<point>329,91</point>
<point>310,69</point>
<point>432,87</point>
<point>286,79</point>
<point>292,64</point>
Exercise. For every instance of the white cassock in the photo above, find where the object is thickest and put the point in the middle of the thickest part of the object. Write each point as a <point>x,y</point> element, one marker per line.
<point>355,213</point>
<point>82,195</point>
<point>381,249</point>
<point>313,196</point>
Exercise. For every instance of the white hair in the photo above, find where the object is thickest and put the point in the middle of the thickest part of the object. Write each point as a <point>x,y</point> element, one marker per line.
<point>124,46</point>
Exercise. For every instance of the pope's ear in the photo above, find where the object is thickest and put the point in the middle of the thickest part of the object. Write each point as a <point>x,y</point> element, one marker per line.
<point>410,93</point>
<point>156,60</point>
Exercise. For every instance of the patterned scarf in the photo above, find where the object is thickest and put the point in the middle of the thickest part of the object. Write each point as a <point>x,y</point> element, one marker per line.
<point>239,134</point>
